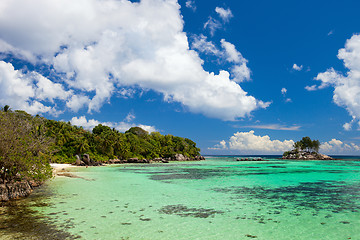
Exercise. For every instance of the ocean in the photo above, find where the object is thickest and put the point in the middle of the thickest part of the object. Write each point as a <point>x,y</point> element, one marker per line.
<point>219,198</point>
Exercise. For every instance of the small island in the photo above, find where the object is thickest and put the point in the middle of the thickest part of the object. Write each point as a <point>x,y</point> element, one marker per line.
<point>306,149</point>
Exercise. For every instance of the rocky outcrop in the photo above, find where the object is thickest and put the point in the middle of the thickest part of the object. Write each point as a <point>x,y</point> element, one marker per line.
<point>15,190</point>
<point>199,158</point>
<point>177,157</point>
<point>115,161</point>
<point>251,159</point>
<point>301,155</point>
<point>181,157</point>
<point>85,161</point>
<point>78,161</point>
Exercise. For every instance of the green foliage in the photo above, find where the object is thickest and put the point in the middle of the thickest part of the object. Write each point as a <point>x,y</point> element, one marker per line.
<point>6,108</point>
<point>105,143</point>
<point>99,129</point>
<point>24,147</point>
<point>307,144</point>
<point>28,143</point>
<point>285,154</point>
<point>138,131</point>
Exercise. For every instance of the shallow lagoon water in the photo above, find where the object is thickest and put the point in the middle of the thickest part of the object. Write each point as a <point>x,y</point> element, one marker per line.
<point>219,198</point>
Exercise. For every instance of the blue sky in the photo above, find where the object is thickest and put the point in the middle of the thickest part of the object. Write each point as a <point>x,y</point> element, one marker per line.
<point>237,77</point>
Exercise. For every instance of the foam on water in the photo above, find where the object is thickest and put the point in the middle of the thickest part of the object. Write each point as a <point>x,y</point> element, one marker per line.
<point>214,199</point>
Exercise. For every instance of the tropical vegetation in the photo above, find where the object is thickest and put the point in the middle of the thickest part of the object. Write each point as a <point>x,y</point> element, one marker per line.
<point>308,145</point>
<point>28,143</point>
<point>305,146</point>
<point>25,148</point>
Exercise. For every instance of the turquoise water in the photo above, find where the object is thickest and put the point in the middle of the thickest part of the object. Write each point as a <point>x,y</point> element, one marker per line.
<point>219,198</point>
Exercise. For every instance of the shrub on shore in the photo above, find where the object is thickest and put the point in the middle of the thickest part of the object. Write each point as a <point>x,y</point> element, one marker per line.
<point>24,147</point>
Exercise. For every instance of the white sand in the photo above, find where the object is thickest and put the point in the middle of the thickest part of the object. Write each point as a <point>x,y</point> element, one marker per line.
<point>61,166</point>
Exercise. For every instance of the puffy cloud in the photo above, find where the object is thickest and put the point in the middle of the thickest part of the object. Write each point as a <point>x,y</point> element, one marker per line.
<point>28,91</point>
<point>297,67</point>
<point>225,14</point>
<point>213,24</point>
<point>201,44</point>
<point>336,146</point>
<point>248,142</point>
<point>327,78</point>
<point>76,102</point>
<point>346,87</point>
<point>239,69</point>
<point>100,46</point>
<point>241,72</point>
<point>222,145</point>
<point>83,122</point>
<point>311,88</point>
<point>120,126</point>
<point>146,127</point>
<point>283,92</point>
<point>348,126</point>
<point>232,55</point>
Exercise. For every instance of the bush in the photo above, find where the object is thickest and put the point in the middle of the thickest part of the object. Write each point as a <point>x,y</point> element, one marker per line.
<point>24,147</point>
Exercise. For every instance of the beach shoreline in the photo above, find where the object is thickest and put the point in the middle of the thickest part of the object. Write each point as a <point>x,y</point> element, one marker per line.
<point>61,166</point>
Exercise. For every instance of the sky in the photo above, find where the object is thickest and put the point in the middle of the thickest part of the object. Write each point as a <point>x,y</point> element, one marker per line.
<point>237,77</point>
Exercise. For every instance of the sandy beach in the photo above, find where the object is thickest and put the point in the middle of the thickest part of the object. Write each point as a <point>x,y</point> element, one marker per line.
<point>60,168</point>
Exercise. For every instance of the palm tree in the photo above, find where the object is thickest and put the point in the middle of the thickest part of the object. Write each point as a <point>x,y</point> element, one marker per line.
<point>6,108</point>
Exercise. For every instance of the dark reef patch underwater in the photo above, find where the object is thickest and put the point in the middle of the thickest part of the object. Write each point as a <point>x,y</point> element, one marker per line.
<point>19,219</point>
<point>317,196</point>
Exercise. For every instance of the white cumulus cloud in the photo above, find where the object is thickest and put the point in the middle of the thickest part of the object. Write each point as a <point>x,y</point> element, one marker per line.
<point>311,88</point>
<point>336,146</point>
<point>120,126</point>
<point>99,47</point>
<point>232,55</point>
<point>249,143</point>
<point>346,87</point>
<point>225,14</point>
<point>201,44</point>
<point>83,122</point>
<point>228,53</point>
<point>28,90</point>
<point>283,92</point>
<point>297,67</point>
<point>222,145</point>
<point>213,24</point>
<point>240,70</point>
